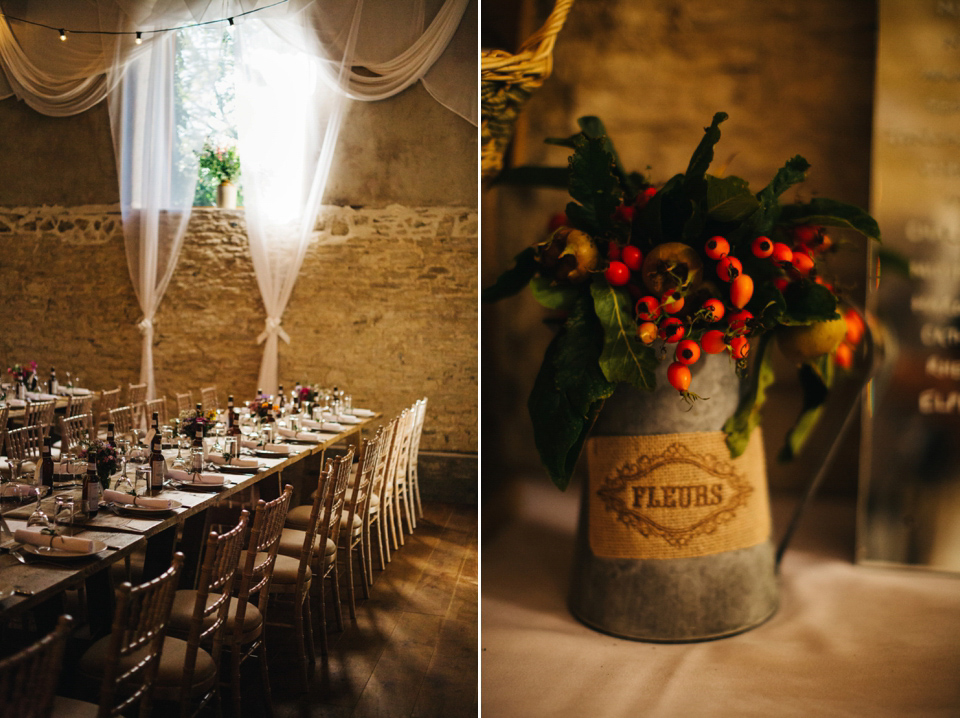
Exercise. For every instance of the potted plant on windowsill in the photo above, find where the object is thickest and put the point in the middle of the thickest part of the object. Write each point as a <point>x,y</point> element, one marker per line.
<point>660,292</point>
<point>223,165</point>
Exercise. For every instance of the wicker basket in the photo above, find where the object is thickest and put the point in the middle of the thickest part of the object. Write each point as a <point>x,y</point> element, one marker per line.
<point>507,81</point>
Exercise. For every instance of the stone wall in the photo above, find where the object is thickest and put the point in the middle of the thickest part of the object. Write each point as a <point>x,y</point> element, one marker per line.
<point>796,77</point>
<point>385,306</point>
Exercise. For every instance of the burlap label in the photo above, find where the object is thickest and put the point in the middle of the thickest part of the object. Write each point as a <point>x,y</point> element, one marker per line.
<point>675,496</point>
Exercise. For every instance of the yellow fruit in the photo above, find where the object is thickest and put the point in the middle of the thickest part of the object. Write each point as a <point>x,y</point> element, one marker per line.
<point>571,253</point>
<point>807,342</point>
<point>672,265</point>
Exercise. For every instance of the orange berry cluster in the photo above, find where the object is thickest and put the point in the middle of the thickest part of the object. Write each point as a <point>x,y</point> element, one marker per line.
<point>843,355</point>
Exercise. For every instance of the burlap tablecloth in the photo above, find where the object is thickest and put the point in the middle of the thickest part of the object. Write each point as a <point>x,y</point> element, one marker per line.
<point>848,640</point>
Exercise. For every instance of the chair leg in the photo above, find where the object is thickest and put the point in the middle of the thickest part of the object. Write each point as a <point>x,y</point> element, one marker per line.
<point>398,517</point>
<point>311,646</point>
<point>323,613</point>
<point>416,491</point>
<point>299,637</point>
<point>392,524</point>
<point>235,678</point>
<point>411,518</point>
<point>364,558</point>
<point>351,594</point>
<point>265,678</point>
<point>338,606</point>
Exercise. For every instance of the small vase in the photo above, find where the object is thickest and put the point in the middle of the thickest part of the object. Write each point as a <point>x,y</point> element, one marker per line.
<point>227,195</point>
<point>21,391</point>
<point>674,541</point>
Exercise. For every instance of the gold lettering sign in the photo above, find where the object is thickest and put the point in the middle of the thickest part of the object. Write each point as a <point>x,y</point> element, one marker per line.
<point>674,496</point>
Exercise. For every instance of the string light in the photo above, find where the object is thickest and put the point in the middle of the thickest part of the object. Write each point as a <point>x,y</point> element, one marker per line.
<point>138,33</point>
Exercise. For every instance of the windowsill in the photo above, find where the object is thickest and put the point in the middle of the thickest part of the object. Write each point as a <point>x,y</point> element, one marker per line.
<point>208,208</point>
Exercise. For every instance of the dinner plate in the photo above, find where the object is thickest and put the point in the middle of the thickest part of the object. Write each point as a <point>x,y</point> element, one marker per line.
<point>239,469</point>
<point>198,486</point>
<point>148,510</point>
<point>59,554</point>
<point>6,591</point>
<point>263,454</point>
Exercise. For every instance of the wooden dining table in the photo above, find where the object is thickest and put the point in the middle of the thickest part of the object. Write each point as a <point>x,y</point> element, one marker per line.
<point>35,581</point>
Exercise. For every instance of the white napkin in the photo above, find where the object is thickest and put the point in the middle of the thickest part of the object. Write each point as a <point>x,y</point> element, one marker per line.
<point>40,396</point>
<point>75,391</point>
<point>366,413</point>
<point>22,490</point>
<point>244,463</point>
<point>341,418</point>
<point>323,425</point>
<point>280,448</point>
<point>299,436</point>
<point>118,497</point>
<point>249,444</point>
<point>186,477</point>
<point>67,543</point>
<point>16,403</point>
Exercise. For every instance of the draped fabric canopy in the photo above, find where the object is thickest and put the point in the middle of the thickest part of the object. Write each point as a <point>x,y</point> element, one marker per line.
<point>296,62</point>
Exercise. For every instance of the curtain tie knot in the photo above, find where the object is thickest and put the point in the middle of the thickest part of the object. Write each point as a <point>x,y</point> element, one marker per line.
<point>145,326</point>
<point>273,328</point>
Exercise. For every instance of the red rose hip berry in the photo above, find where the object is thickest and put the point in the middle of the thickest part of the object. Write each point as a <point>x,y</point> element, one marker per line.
<point>688,352</point>
<point>632,257</point>
<point>762,247</point>
<point>648,308</point>
<point>741,290</point>
<point>679,376</point>
<point>617,273</point>
<point>713,310</point>
<point>672,330</point>
<point>713,341</point>
<point>717,248</point>
<point>729,269</point>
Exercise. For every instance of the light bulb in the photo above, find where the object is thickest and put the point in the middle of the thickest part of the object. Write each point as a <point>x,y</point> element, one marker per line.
<point>230,20</point>
<point>63,35</point>
<point>139,39</point>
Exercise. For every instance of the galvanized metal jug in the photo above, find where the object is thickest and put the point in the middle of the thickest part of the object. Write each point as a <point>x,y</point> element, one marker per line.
<point>674,538</point>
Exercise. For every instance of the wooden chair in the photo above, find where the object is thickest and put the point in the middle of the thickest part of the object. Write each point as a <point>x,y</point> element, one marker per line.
<point>323,552</point>
<point>122,420</point>
<point>389,508</point>
<point>208,606</point>
<point>73,430</point>
<point>137,656</point>
<point>184,402</point>
<point>24,443</point>
<point>39,413</point>
<point>136,398</point>
<point>292,578</point>
<point>402,489</point>
<point>378,498</point>
<point>208,398</point>
<point>109,399</point>
<point>355,525</point>
<point>4,419</point>
<point>158,405</point>
<point>28,679</point>
<point>413,477</point>
<point>77,405</point>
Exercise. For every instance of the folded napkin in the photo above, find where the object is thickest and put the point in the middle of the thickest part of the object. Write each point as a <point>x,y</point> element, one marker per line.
<point>365,413</point>
<point>280,448</point>
<point>119,497</point>
<point>341,418</point>
<point>299,435</point>
<point>187,477</point>
<point>16,403</point>
<point>67,543</point>
<point>75,391</point>
<point>13,490</point>
<point>242,463</point>
<point>247,444</point>
<point>40,396</point>
<point>323,425</point>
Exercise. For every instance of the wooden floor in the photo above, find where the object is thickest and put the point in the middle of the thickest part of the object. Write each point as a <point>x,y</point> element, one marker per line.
<point>412,650</point>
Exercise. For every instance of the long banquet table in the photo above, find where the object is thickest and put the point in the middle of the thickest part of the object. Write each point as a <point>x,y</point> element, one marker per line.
<point>39,580</point>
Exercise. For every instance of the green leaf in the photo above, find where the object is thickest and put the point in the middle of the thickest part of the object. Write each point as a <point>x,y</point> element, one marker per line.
<point>747,416</point>
<point>831,213</point>
<point>553,295</point>
<point>729,199</point>
<point>808,302</point>
<point>624,358</point>
<point>594,185</point>
<point>793,172</point>
<point>815,381</point>
<point>514,279</point>
<point>568,393</point>
<point>534,176</point>
<point>703,155</point>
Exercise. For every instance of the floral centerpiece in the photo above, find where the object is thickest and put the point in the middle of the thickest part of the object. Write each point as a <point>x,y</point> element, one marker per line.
<point>25,375</point>
<point>262,406</point>
<point>703,264</point>
<point>220,163</point>
<point>308,394</point>
<point>191,419</point>
<point>107,459</point>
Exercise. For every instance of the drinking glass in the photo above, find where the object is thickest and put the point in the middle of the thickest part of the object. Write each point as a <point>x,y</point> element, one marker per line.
<point>64,509</point>
<point>38,519</point>
<point>231,448</point>
<point>142,475</point>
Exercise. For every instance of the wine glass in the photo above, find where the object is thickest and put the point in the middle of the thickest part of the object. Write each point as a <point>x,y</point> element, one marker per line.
<point>37,519</point>
<point>180,461</point>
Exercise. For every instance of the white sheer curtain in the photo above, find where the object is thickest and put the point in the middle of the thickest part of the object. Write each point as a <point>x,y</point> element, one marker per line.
<point>157,167</point>
<point>288,126</point>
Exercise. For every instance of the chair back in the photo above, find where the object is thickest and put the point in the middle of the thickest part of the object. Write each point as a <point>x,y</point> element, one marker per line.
<point>333,508</point>
<point>362,484</point>
<point>420,413</point>
<point>136,397</point>
<point>208,398</point>
<point>382,487</point>
<point>255,577</point>
<point>73,430</point>
<point>28,679</point>
<point>25,443</point>
<point>77,405</point>
<point>109,399</point>
<point>4,418</point>
<point>122,420</point>
<point>402,458</point>
<point>313,525</point>
<point>184,402</point>
<point>39,413</point>
<point>158,405</point>
<point>139,624</point>
<point>217,574</point>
